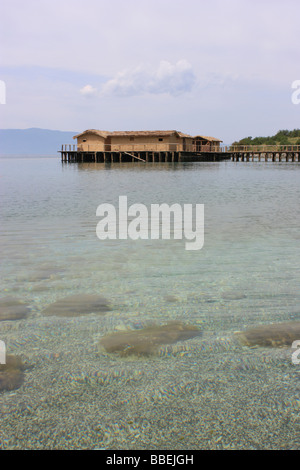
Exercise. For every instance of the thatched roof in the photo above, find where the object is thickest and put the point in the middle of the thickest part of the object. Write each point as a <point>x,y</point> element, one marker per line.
<point>205,137</point>
<point>132,133</point>
<point>144,133</point>
<point>181,134</point>
<point>105,134</point>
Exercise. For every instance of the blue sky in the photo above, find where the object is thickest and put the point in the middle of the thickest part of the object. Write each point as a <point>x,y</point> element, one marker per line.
<point>221,67</point>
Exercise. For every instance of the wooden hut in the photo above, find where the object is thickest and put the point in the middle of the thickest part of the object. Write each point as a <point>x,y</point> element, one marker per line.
<point>158,141</point>
<point>93,140</point>
<point>204,143</point>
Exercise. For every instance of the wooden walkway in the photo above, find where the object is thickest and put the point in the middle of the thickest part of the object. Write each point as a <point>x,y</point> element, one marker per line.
<point>265,153</point>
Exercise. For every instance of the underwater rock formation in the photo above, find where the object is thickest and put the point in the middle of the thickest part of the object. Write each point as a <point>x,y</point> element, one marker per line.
<point>76,305</point>
<point>13,309</point>
<point>170,298</point>
<point>146,341</point>
<point>272,335</point>
<point>233,295</point>
<point>12,373</point>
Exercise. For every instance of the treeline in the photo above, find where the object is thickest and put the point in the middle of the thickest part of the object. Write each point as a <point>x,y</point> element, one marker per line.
<point>283,137</point>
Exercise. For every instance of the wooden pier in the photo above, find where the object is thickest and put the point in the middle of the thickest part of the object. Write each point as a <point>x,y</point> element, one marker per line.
<point>258,153</point>
<point>266,157</point>
<point>266,153</point>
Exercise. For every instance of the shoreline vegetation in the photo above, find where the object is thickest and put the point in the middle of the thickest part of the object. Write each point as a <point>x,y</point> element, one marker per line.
<point>282,137</point>
<point>44,142</point>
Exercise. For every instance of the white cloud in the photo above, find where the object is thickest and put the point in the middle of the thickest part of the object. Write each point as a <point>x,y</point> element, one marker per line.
<point>235,87</point>
<point>88,90</point>
<point>166,78</point>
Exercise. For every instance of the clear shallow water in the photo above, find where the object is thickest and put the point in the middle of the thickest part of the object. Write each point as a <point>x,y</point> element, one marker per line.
<point>207,392</point>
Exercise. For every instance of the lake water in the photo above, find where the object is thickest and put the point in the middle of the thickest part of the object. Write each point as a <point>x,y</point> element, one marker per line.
<point>208,392</point>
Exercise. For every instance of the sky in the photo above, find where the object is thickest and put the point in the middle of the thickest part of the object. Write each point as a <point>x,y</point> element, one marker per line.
<point>222,68</point>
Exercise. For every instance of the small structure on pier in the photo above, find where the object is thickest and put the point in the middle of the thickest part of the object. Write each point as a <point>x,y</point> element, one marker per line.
<point>204,143</point>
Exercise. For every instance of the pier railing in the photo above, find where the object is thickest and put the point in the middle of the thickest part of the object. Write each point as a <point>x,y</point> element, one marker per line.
<point>170,147</point>
<point>148,147</point>
<point>262,148</point>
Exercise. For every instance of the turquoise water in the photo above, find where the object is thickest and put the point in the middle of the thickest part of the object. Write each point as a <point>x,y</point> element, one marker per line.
<point>207,392</point>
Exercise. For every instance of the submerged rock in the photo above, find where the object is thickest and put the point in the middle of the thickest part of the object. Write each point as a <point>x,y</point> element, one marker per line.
<point>148,340</point>
<point>12,373</point>
<point>170,298</point>
<point>233,295</point>
<point>272,335</point>
<point>76,305</point>
<point>43,275</point>
<point>12,309</point>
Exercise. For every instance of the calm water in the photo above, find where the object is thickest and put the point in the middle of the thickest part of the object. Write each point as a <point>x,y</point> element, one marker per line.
<point>210,393</point>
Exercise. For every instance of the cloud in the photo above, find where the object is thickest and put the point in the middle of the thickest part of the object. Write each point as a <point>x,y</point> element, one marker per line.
<point>88,90</point>
<point>166,78</point>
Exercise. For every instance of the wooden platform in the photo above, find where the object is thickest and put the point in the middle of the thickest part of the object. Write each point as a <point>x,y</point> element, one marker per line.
<point>144,157</point>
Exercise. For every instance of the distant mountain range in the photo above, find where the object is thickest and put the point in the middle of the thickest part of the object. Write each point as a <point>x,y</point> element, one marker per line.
<point>33,141</point>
